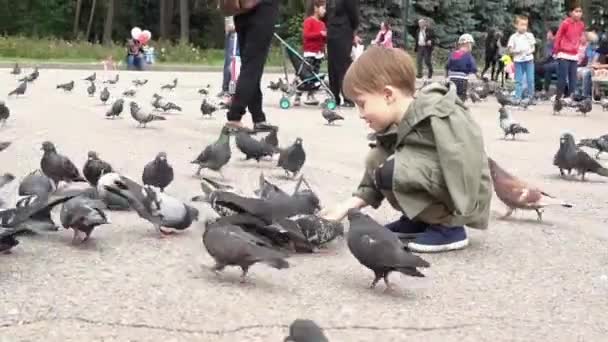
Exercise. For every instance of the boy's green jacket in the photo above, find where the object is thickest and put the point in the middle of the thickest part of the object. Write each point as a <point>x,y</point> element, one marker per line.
<point>441,173</point>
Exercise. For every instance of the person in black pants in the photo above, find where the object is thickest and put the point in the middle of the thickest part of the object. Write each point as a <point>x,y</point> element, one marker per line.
<point>425,42</point>
<point>491,53</point>
<point>254,30</point>
<point>342,22</point>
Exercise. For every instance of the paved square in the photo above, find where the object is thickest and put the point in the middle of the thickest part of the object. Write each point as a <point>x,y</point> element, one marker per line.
<point>519,280</point>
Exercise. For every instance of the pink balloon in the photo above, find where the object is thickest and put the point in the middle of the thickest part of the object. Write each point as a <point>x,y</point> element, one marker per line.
<point>143,39</point>
<point>148,34</point>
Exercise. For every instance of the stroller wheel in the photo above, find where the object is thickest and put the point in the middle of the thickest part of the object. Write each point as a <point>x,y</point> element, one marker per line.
<point>330,104</point>
<point>284,103</point>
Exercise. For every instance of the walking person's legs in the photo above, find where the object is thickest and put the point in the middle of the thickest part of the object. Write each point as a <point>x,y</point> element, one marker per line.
<point>332,68</point>
<point>428,54</point>
<point>488,62</point>
<point>339,61</point>
<point>572,78</point>
<point>419,60</point>
<point>519,75</point>
<point>529,70</point>
<point>562,78</point>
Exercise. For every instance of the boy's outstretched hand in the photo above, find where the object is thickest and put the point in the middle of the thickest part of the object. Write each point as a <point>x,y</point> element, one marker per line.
<point>338,212</point>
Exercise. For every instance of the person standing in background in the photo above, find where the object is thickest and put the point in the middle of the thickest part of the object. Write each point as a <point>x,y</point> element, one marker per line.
<point>522,46</point>
<point>229,47</point>
<point>491,53</point>
<point>565,48</point>
<point>342,23</point>
<point>425,42</point>
<point>254,30</point>
<point>385,35</point>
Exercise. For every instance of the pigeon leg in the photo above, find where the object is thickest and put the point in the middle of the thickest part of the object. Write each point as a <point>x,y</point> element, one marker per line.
<point>539,212</point>
<point>217,268</point>
<point>508,213</point>
<point>561,172</point>
<point>583,176</point>
<point>221,174</point>
<point>298,184</point>
<point>377,278</point>
<point>388,285</point>
<point>244,274</point>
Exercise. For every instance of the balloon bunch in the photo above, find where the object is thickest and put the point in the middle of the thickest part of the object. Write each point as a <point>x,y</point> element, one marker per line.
<point>142,36</point>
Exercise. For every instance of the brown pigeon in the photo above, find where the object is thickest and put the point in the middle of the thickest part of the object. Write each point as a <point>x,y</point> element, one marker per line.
<point>517,194</point>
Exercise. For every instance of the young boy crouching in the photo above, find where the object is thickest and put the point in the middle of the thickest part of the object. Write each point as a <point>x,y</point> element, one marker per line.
<point>429,160</point>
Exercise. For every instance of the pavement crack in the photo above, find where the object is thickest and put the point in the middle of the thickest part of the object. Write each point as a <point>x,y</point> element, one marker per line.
<point>227,331</point>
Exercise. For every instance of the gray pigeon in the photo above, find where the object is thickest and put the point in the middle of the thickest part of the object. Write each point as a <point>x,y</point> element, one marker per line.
<point>170,86</point>
<point>230,245</point>
<point>58,167</point>
<point>162,210</point>
<point>91,89</point>
<point>268,190</point>
<point>5,179</point>
<point>114,81</point>
<point>585,106</point>
<point>558,105</point>
<point>8,239</point>
<point>16,70</point>
<point>142,117</point>
<point>508,126</point>
<point>4,145</point>
<point>292,158</point>
<point>474,96</point>
<point>604,104</point>
<point>216,155</point>
<point>160,103</point>
<point>66,86</point>
<point>380,250</point>
<point>82,214</point>
<point>305,330</point>
<point>569,157</point>
<point>271,138</point>
<point>129,93</point>
<point>104,96</point>
<point>35,183</point>
<point>91,78</point>
<point>116,109</point>
<point>31,77</point>
<point>112,201</point>
<point>600,144</point>
<point>331,116</point>
<point>207,109</point>
<point>94,168</point>
<point>251,148</point>
<point>20,90</point>
<point>158,172</point>
<point>5,113</point>
<point>139,83</point>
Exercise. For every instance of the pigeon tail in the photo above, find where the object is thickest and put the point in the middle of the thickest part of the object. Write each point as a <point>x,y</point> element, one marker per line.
<point>517,129</point>
<point>277,263</point>
<point>602,171</point>
<point>158,117</point>
<point>411,271</point>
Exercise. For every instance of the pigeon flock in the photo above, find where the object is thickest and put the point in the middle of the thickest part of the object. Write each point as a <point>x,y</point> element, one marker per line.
<point>265,227</point>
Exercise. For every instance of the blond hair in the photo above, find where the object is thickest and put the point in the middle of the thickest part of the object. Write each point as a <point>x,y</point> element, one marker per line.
<point>377,68</point>
<point>519,18</point>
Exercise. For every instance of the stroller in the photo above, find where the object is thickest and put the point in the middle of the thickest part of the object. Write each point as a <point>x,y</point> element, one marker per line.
<point>306,79</point>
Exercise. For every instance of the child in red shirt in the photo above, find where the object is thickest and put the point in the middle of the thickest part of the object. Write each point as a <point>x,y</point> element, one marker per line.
<point>314,36</point>
<point>565,50</point>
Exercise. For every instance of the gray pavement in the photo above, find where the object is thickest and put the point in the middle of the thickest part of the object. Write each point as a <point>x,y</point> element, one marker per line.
<point>518,281</point>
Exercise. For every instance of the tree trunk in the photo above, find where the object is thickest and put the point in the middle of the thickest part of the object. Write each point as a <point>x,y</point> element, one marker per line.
<point>90,24</point>
<point>184,18</point>
<point>170,10</point>
<point>162,32</point>
<point>109,24</point>
<point>77,18</point>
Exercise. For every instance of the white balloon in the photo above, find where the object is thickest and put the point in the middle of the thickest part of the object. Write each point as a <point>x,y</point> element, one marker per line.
<point>135,32</point>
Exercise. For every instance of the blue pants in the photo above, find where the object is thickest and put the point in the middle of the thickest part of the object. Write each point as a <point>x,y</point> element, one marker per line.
<point>524,70</point>
<point>228,53</point>
<point>566,73</point>
<point>587,79</point>
<point>135,62</point>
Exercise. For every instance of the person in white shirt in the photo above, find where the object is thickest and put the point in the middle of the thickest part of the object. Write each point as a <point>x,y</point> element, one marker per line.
<point>521,45</point>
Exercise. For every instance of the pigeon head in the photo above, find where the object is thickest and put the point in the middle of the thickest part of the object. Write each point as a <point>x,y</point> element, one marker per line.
<point>161,157</point>
<point>305,330</point>
<point>2,103</point>
<point>503,114</point>
<point>566,139</point>
<point>192,212</point>
<point>156,96</point>
<point>310,197</point>
<point>298,141</point>
<point>48,146</point>
<point>92,155</point>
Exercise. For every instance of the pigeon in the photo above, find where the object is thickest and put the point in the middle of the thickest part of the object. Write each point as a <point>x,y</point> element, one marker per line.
<point>268,190</point>
<point>66,86</point>
<point>600,144</point>
<point>91,78</point>
<point>570,157</point>
<point>331,116</point>
<point>104,96</point>
<point>230,245</point>
<point>129,93</point>
<point>114,81</point>
<point>36,183</point>
<point>604,104</point>
<point>8,239</point>
<point>558,105</point>
<point>251,148</point>
<point>158,172</point>
<point>160,209</point>
<point>474,96</point>
<point>94,168</point>
<point>275,85</point>
<point>139,83</point>
<point>4,145</point>
<point>82,214</point>
<point>312,231</point>
<point>507,124</point>
<point>58,167</point>
<point>116,109</point>
<point>5,113</point>
<point>305,330</point>
<point>20,90</point>
<point>292,158</point>
<point>516,194</point>
<point>203,91</point>
<point>170,86</point>
<point>271,138</point>
<point>379,249</point>
<point>505,100</point>
<point>216,155</point>
<point>142,117</point>
<point>483,90</point>
<point>16,70</point>
<point>585,106</point>
<point>31,77</point>
<point>91,89</point>
<point>112,201</point>
<point>207,109</point>
<point>5,179</point>
<point>160,103</point>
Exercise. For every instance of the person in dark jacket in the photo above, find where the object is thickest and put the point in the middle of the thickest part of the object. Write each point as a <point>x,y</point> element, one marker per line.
<point>461,64</point>
<point>491,53</point>
<point>254,30</point>
<point>546,68</point>
<point>425,42</point>
<point>342,22</point>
